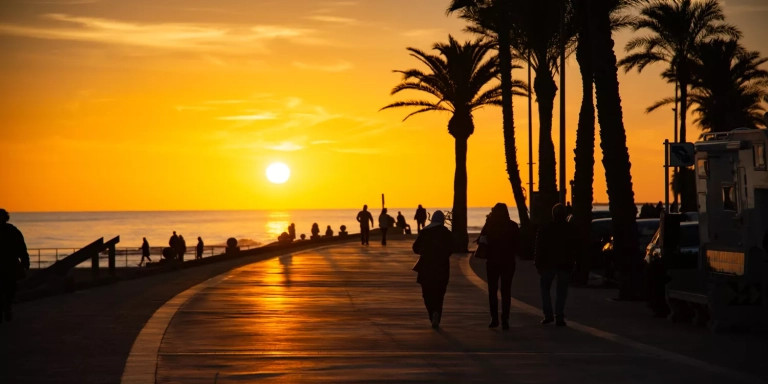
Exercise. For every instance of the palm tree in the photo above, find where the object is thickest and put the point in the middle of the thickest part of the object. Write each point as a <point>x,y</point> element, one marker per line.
<point>727,88</point>
<point>676,27</point>
<point>536,30</point>
<point>492,18</point>
<point>458,78</point>
<point>613,141</point>
<point>584,151</point>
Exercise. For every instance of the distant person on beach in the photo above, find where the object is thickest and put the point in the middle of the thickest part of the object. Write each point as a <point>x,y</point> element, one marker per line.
<point>343,231</point>
<point>173,243</point>
<point>501,236</point>
<point>14,263</point>
<point>401,224</point>
<point>420,217</point>
<point>385,222</point>
<point>328,232</point>
<point>363,217</point>
<point>182,248</point>
<point>200,248</point>
<point>434,246</point>
<point>554,259</point>
<point>292,231</point>
<point>315,232</point>
<point>144,252</point>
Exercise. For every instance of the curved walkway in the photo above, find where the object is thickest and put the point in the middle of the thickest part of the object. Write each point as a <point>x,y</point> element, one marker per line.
<point>347,313</point>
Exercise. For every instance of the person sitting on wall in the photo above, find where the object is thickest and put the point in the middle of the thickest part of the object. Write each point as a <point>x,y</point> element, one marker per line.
<point>401,224</point>
<point>284,238</point>
<point>343,231</point>
<point>315,232</point>
<point>328,232</point>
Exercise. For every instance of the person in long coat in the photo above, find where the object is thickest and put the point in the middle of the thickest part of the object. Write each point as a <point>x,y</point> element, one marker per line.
<point>434,246</point>
<point>501,236</point>
<point>14,263</point>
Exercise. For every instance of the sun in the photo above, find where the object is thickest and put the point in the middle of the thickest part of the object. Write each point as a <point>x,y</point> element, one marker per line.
<point>278,173</point>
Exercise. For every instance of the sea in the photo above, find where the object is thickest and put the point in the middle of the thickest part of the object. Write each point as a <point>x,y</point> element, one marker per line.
<point>74,230</point>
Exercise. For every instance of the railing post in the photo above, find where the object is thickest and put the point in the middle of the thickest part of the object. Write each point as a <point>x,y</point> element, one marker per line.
<point>111,254</point>
<point>95,264</point>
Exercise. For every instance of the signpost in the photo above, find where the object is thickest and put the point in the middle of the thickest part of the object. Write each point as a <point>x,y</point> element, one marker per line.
<point>675,155</point>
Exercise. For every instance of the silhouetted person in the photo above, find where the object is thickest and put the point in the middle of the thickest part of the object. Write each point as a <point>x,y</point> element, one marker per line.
<point>434,245</point>
<point>292,231</point>
<point>402,224</point>
<point>555,258</point>
<point>328,231</point>
<point>385,222</point>
<point>364,217</point>
<point>659,209</point>
<point>182,249</point>
<point>144,251</point>
<point>315,231</point>
<point>502,238</point>
<point>343,231</point>
<point>199,249</point>
<point>173,243</point>
<point>303,236</point>
<point>14,262</point>
<point>420,217</point>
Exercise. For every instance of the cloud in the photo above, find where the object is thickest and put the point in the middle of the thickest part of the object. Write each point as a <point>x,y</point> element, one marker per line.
<point>179,36</point>
<point>285,146</point>
<point>341,66</point>
<point>254,117</point>
<point>334,20</point>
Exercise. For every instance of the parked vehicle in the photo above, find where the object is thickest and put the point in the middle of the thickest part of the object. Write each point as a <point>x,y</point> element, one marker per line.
<point>681,253</point>
<point>645,231</point>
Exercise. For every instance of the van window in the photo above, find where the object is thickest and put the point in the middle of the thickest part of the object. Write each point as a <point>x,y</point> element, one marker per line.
<point>758,152</point>
<point>729,198</point>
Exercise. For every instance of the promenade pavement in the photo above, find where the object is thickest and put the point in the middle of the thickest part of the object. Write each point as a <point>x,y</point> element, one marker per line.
<point>347,313</point>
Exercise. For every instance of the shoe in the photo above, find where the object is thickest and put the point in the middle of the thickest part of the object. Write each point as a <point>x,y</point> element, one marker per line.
<point>504,325</point>
<point>435,319</point>
<point>560,323</point>
<point>547,320</point>
<point>494,323</point>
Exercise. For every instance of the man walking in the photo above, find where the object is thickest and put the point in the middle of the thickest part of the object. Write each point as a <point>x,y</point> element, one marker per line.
<point>434,245</point>
<point>554,259</point>
<point>364,217</point>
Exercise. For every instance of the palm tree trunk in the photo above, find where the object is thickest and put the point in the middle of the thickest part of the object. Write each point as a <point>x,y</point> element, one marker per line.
<point>546,90</point>
<point>683,108</point>
<point>508,124</point>
<point>584,153</point>
<point>459,213</point>
<point>615,152</point>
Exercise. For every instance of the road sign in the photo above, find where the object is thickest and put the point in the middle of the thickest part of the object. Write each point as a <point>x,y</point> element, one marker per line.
<point>680,154</point>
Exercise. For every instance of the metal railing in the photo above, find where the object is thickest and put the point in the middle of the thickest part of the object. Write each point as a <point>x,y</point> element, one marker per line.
<point>40,258</point>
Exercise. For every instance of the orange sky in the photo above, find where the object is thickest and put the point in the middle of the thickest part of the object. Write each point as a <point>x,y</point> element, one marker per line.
<point>144,105</point>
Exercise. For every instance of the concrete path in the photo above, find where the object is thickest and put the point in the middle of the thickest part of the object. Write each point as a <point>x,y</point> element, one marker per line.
<point>346,313</point>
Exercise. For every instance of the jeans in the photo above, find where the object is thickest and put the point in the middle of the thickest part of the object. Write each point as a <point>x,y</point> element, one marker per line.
<point>433,293</point>
<point>364,233</point>
<point>505,274</point>
<point>547,277</point>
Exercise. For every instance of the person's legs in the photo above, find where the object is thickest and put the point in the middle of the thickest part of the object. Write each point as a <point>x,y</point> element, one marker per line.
<point>7,292</point>
<point>493,273</point>
<point>563,279</point>
<point>384,236</point>
<point>506,294</point>
<point>545,282</point>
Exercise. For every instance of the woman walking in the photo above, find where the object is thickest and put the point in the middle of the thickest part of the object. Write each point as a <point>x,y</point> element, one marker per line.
<point>501,236</point>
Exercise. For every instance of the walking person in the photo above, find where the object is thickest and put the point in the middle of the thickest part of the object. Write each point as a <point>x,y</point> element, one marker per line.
<point>363,217</point>
<point>501,236</point>
<point>182,248</point>
<point>173,244</point>
<point>434,246</point>
<point>385,222</point>
<point>144,251</point>
<point>200,248</point>
<point>14,263</point>
<point>554,259</point>
<point>420,217</point>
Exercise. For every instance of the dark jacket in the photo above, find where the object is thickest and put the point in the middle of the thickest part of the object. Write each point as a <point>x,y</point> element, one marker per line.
<point>503,241</point>
<point>13,252</point>
<point>434,246</point>
<point>555,247</point>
